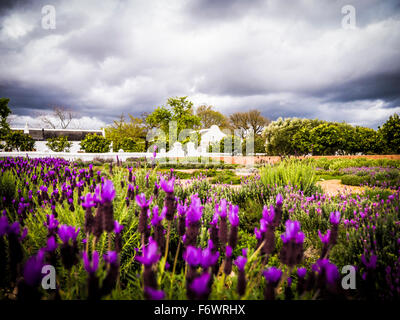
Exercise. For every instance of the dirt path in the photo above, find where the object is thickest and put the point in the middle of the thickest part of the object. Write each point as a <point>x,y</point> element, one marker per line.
<point>334,186</point>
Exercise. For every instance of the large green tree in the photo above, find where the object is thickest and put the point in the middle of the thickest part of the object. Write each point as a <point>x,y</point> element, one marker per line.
<point>289,136</point>
<point>208,117</point>
<point>5,111</point>
<point>127,135</point>
<point>390,133</point>
<point>177,110</point>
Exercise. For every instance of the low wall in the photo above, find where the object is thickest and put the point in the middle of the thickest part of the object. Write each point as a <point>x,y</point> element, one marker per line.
<point>246,160</point>
<point>123,156</point>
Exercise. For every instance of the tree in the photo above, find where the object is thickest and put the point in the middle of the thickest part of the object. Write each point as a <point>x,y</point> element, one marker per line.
<point>60,117</point>
<point>367,141</point>
<point>239,122</point>
<point>5,111</point>
<point>17,140</point>
<point>328,139</point>
<point>59,144</point>
<point>390,133</point>
<point>290,136</point>
<point>251,120</point>
<point>128,136</point>
<point>177,109</point>
<point>230,144</point>
<point>94,143</point>
<point>256,121</point>
<point>209,117</point>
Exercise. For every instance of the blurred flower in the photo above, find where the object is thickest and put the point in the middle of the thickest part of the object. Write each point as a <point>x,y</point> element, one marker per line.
<point>193,256</point>
<point>200,285</point>
<point>324,238</point>
<point>33,269</point>
<point>91,266</point>
<point>107,191</point>
<point>150,254</point>
<point>240,262</point>
<point>142,202</point>
<point>334,217</point>
<point>167,186</point>
<point>90,201</point>
<point>154,294</point>
<point>279,199</point>
<point>118,227</point>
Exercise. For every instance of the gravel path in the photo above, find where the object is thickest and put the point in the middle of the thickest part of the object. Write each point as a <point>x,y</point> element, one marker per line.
<point>335,186</point>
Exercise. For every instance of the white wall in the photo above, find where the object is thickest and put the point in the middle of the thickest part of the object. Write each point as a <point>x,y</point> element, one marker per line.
<point>40,146</point>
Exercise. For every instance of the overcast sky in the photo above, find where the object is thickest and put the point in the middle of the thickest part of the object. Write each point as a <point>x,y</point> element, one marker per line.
<point>285,58</point>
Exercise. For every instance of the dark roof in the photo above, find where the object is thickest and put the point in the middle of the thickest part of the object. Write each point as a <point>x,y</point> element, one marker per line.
<point>72,135</point>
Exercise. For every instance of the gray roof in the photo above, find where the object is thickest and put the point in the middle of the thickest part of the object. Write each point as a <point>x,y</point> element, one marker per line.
<point>71,134</point>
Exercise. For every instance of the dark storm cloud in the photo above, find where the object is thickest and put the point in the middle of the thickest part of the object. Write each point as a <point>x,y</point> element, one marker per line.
<point>283,58</point>
<point>377,86</point>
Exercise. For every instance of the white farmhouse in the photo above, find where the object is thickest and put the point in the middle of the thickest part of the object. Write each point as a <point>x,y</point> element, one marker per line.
<point>210,136</point>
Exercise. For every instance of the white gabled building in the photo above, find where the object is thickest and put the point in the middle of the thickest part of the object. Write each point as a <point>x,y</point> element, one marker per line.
<point>210,136</point>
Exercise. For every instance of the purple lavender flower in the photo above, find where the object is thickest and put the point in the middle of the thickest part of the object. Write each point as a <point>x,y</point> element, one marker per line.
<point>301,272</point>
<point>144,205</point>
<point>118,227</point>
<point>158,218</point>
<point>154,294</point>
<point>51,244</point>
<point>234,216</point>
<point>90,201</point>
<point>292,232</point>
<point>150,254</point>
<point>209,258</point>
<point>182,218</point>
<point>272,275</point>
<point>240,262</point>
<point>91,266</point>
<point>195,210</point>
<point>200,286</point>
<point>33,269</point>
<point>193,256</point>
<point>326,269</point>
<point>334,218</point>
<point>279,200</point>
<point>142,202</point>
<point>111,257</point>
<point>292,249</point>
<point>167,186</point>
<point>268,214</point>
<point>221,208</point>
<point>324,238</point>
<point>372,261</point>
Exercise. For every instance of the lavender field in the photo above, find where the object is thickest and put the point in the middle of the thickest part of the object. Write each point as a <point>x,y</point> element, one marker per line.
<point>133,231</point>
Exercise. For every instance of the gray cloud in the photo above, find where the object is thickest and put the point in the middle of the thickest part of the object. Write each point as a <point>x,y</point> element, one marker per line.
<point>105,58</point>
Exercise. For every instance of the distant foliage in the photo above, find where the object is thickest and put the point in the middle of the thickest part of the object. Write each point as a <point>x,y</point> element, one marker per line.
<point>294,136</point>
<point>5,111</point>
<point>230,144</point>
<point>390,133</point>
<point>17,140</point>
<point>94,143</point>
<point>59,144</point>
<point>127,135</point>
<point>129,144</point>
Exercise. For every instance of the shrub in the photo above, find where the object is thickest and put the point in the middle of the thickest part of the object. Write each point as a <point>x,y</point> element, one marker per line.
<point>7,186</point>
<point>295,173</point>
<point>17,140</point>
<point>390,133</point>
<point>94,143</point>
<point>59,144</point>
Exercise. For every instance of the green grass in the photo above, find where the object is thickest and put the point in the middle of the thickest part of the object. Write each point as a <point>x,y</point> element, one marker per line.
<point>292,172</point>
